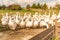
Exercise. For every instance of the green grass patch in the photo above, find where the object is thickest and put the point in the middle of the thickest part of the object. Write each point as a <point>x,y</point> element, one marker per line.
<point>55,38</point>
<point>32,11</point>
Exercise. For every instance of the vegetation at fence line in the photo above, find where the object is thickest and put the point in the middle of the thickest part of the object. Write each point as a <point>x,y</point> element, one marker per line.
<point>55,38</point>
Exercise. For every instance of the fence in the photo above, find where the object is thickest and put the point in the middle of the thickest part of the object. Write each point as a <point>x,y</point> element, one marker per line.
<point>45,35</point>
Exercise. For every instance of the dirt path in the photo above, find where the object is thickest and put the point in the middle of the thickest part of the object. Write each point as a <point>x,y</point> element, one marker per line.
<point>22,34</point>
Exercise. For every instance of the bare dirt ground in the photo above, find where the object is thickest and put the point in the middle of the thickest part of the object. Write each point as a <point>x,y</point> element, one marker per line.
<point>23,34</point>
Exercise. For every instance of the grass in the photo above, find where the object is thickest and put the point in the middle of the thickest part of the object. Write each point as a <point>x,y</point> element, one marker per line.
<point>55,38</point>
<point>14,11</point>
<point>29,11</point>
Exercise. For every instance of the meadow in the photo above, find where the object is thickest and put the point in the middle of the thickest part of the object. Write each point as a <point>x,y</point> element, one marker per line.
<point>32,11</point>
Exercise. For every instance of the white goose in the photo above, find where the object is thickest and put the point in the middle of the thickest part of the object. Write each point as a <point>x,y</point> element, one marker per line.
<point>35,24</point>
<point>46,17</point>
<point>58,16</point>
<point>17,19</point>
<point>36,15</point>
<point>4,20</point>
<point>51,22</point>
<point>29,23</point>
<point>12,24</point>
<point>53,17</point>
<point>43,23</point>
<point>22,23</point>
